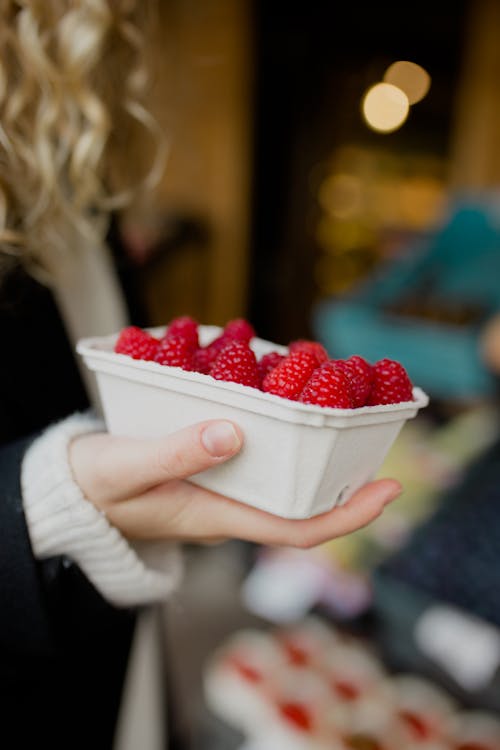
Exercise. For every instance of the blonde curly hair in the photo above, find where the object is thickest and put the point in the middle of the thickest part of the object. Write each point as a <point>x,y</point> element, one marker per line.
<point>71,77</point>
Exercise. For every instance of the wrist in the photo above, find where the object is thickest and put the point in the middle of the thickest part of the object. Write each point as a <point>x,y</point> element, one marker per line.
<point>62,521</point>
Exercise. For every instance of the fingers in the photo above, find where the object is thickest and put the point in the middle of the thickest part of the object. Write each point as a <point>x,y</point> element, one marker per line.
<point>185,512</point>
<point>110,468</point>
<point>362,508</point>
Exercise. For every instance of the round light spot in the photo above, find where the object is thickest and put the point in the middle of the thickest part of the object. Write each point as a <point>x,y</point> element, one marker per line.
<point>410,78</point>
<point>341,195</point>
<point>385,107</point>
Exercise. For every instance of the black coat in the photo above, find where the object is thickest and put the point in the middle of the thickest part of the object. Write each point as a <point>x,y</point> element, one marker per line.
<point>64,649</point>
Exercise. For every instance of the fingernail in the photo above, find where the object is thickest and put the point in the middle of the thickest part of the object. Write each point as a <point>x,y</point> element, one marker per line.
<point>393,495</point>
<point>220,439</point>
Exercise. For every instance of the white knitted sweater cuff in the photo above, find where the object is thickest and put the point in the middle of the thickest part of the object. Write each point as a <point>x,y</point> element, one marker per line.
<point>61,521</point>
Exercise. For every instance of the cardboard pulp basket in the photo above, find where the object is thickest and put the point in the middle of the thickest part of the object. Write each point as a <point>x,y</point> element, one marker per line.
<point>297,461</point>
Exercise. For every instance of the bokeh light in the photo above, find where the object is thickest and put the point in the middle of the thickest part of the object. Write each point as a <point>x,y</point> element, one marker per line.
<point>341,195</point>
<point>385,107</point>
<point>410,78</point>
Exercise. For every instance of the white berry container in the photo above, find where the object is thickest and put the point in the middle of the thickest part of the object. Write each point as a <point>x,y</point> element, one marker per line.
<point>475,728</point>
<point>237,676</point>
<point>298,460</point>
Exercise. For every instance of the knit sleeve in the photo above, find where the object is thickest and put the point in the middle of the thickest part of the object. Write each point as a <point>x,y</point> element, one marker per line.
<point>62,522</point>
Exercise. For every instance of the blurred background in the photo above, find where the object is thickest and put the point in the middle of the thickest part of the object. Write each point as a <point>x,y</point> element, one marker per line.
<point>334,173</point>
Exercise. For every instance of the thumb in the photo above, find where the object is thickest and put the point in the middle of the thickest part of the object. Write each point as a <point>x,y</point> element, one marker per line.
<point>110,468</point>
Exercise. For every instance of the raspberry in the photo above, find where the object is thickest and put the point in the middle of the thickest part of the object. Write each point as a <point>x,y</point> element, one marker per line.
<point>216,346</point>
<point>268,362</point>
<point>360,373</point>
<point>202,360</point>
<point>417,725</point>
<point>137,343</point>
<point>298,715</point>
<point>391,384</point>
<point>235,330</point>
<point>184,326</point>
<point>247,671</point>
<point>176,351</point>
<point>239,329</point>
<point>290,376</point>
<point>328,386</point>
<point>303,345</point>
<point>206,355</point>
<point>236,363</point>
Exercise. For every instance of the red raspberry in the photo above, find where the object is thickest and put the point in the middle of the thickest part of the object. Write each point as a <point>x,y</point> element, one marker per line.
<point>268,362</point>
<point>239,329</point>
<point>202,360</point>
<point>216,346</point>
<point>290,376</point>
<point>360,373</point>
<point>303,345</point>
<point>136,343</point>
<point>235,330</point>
<point>237,364</point>
<point>184,326</point>
<point>206,355</point>
<point>391,384</point>
<point>176,351</point>
<point>328,386</point>
<point>297,714</point>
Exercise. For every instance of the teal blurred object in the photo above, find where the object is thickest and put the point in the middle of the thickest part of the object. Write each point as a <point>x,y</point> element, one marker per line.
<point>427,308</point>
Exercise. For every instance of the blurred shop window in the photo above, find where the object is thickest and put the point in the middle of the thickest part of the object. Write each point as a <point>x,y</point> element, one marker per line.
<point>188,241</point>
<point>372,202</point>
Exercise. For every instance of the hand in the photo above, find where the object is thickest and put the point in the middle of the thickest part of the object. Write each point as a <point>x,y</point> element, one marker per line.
<point>140,485</point>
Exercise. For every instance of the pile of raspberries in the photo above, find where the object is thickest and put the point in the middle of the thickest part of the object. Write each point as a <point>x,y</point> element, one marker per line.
<point>305,374</point>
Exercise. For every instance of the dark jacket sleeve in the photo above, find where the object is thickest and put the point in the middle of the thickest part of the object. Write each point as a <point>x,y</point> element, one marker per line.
<point>64,649</point>
<point>24,623</point>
